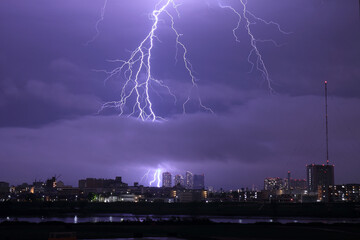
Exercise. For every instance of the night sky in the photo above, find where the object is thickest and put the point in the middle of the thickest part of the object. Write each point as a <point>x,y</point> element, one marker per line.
<point>50,93</point>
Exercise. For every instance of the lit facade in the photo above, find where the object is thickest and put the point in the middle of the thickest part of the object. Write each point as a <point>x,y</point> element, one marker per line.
<point>166,179</point>
<point>273,184</point>
<point>189,180</point>
<point>179,180</point>
<point>345,193</point>
<point>319,179</point>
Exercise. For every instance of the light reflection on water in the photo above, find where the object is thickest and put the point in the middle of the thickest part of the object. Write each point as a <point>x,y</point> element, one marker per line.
<point>148,238</point>
<point>71,218</point>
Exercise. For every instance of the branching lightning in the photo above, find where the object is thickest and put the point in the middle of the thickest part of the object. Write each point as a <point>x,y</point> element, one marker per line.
<point>139,79</point>
<point>137,70</point>
<point>254,53</point>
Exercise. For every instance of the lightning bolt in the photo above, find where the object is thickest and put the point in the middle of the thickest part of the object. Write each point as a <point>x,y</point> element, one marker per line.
<point>102,14</point>
<point>156,178</point>
<point>137,74</point>
<point>255,52</point>
<point>137,71</point>
<point>146,176</point>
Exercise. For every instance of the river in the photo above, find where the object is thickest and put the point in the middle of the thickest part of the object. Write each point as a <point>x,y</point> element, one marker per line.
<point>116,217</point>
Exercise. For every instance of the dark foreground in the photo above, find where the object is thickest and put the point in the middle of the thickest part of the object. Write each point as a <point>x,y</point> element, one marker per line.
<point>198,229</point>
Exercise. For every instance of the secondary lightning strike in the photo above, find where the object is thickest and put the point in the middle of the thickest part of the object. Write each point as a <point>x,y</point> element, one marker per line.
<point>238,23</point>
<point>138,74</point>
<point>146,176</point>
<point>102,14</point>
<point>246,15</point>
<point>187,64</point>
<point>260,65</point>
<point>156,178</point>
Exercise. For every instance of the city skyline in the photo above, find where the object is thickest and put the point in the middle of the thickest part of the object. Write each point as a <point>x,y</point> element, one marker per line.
<point>50,94</point>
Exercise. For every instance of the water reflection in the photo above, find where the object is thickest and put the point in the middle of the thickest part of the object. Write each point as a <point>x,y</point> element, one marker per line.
<point>148,238</point>
<point>75,218</point>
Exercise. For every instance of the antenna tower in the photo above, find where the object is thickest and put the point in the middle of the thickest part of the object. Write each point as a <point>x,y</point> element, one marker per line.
<point>327,127</point>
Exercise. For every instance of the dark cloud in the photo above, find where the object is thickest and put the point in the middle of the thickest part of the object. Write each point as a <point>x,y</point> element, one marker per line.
<point>272,133</point>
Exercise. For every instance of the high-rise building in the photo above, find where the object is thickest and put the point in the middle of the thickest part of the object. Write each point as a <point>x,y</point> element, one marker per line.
<point>198,181</point>
<point>166,179</point>
<point>271,184</point>
<point>319,179</point>
<point>179,180</point>
<point>189,181</point>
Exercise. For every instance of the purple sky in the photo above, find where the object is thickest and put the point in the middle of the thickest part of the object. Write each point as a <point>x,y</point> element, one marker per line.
<point>49,93</point>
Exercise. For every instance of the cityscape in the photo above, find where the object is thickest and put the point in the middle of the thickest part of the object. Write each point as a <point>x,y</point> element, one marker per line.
<point>318,187</point>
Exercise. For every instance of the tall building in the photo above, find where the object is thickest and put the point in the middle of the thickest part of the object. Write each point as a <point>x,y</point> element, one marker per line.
<point>189,182</point>
<point>271,184</point>
<point>166,179</point>
<point>320,178</point>
<point>179,180</point>
<point>198,181</point>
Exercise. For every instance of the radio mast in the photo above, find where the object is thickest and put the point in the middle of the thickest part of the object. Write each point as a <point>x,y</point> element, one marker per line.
<point>327,127</point>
